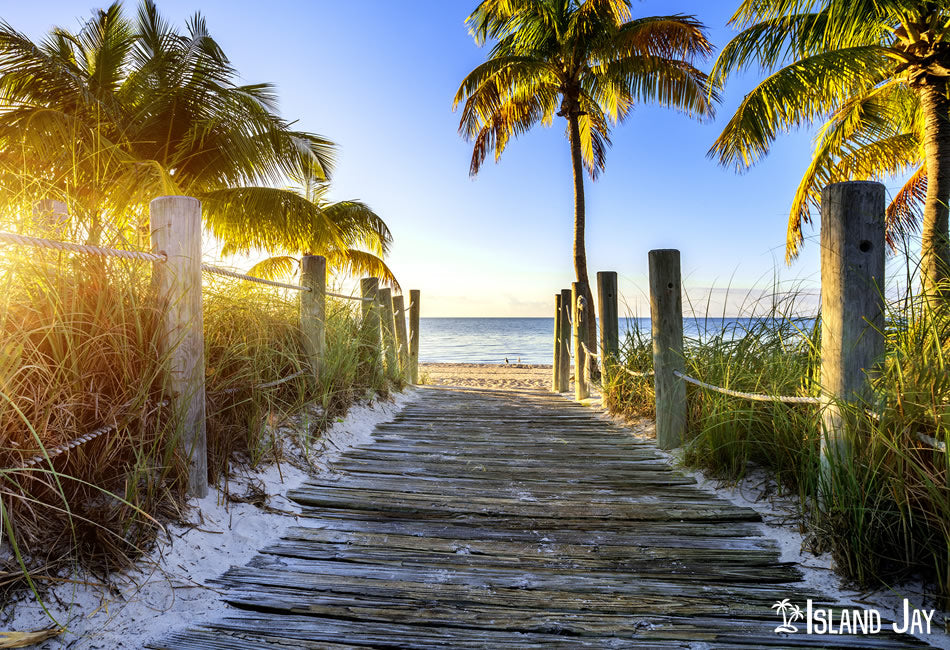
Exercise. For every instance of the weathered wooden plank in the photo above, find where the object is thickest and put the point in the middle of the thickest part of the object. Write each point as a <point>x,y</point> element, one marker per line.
<point>593,552</point>
<point>582,531</point>
<point>481,519</point>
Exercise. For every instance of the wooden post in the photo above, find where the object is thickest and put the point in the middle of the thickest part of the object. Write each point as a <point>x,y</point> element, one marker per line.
<point>369,310</point>
<point>402,339</point>
<point>556,366</point>
<point>176,232</point>
<point>666,316</point>
<point>385,298</point>
<point>564,380</point>
<point>414,336</point>
<point>582,315</point>
<point>50,216</point>
<point>852,306</point>
<point>313,309</point>
<point>609,322</point>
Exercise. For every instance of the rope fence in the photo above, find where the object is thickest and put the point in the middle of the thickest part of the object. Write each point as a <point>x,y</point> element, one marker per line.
<point>88,249</point>
<point>75,442</point>
<point>72,444</point>
<point>345,297</point>
<point>92,435</point>
<point>270,384</point>
<point>755,397</point>
<point>637,373</point>
<point>217,270</point>
<point>587,351</point>
<point>939,445</point>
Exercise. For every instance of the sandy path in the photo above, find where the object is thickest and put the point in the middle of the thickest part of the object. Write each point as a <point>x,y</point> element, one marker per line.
<point>477,375</point>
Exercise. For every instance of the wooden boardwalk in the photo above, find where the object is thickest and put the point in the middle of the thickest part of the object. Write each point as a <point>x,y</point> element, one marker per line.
<point>508,520</point>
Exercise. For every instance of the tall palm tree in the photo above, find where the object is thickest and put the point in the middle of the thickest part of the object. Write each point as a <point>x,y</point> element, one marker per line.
<point>877,71</point>
<point>125,109</point>
<point>586,61</point>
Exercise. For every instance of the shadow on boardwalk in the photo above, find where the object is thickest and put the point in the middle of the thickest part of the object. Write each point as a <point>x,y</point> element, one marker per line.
<point>512,519</point>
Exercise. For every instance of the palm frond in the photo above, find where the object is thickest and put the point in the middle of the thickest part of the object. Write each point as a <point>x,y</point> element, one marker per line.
<point>905,212</point>
<point>354,263</point>
<point>795,95</point>
<point>273,220</point>
<point>275,268</point>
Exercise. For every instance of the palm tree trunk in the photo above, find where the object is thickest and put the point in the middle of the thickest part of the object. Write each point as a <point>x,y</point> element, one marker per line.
<point>935,253</point>
<point>580,250</point>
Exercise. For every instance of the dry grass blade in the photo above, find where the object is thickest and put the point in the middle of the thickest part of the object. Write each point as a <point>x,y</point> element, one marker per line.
<point>26,639</point>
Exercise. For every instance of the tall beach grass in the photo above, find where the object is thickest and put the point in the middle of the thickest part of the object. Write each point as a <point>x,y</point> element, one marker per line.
<point>80,350</point>
<point>886,516</point>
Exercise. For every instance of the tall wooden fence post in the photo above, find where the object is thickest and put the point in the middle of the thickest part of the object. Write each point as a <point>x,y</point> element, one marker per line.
<point>414,336</point>
<point>402,339</point>
<point>852,306</point>
<point>175,223</point>
<point>564,380</point>
<point>385,298</point>
<point>313,309</point>
<point>369,310</point>
<point>666,316</point>
<point>609,315</point>
<point>556,366</point>
<point>582,316</point>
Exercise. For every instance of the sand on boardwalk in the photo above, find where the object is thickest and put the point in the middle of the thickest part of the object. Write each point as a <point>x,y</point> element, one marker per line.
<point>478,375</point>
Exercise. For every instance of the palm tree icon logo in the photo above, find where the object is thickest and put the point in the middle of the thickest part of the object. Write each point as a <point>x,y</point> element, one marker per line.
<point>790,613</point>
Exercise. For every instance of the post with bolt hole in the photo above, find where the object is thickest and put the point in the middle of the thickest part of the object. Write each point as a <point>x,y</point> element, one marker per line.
<point>852,313</point>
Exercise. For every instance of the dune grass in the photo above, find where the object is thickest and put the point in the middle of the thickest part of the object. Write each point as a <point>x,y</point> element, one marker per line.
<point>886,515</point>
<point>80,349</point>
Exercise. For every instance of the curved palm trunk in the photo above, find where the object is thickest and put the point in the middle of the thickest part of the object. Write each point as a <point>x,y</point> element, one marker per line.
<point>580,251</point>
<point>935,253</point>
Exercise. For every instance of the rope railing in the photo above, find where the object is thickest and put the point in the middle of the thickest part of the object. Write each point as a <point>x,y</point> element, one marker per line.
<point>75,442</point>
<point>587,351</point>
<point>756,397</point>
<point>939,445</point>
<point>72,444</point>
<point>95,433</point>
<point>346,297</point>
<point>637,373</point>
<point>217,270</point>
<point>88,249</point>
<point>270,384</point>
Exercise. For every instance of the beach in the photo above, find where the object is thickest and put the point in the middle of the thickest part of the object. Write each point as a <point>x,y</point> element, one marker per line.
<point>514,376</point>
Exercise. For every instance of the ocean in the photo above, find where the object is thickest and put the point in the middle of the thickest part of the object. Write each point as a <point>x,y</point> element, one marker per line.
<point>524,340</point>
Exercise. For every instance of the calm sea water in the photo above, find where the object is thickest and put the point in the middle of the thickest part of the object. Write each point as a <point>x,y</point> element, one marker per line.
<point>528,340</point>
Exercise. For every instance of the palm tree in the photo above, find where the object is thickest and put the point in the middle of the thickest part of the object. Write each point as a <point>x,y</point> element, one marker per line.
<point>123,110</point>
<point>586,61</point>
<point>877,71</point>
<point>359,249</point>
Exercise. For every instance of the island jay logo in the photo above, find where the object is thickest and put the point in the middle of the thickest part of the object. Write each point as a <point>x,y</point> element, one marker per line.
<point>790,613</point>
<point>825,620</point>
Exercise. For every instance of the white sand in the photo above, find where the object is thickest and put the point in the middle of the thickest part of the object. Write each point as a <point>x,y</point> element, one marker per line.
<point>478,375</point>
<point>170,590</point>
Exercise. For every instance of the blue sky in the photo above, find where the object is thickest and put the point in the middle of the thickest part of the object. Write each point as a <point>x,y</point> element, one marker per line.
<point>378,77</point>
